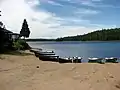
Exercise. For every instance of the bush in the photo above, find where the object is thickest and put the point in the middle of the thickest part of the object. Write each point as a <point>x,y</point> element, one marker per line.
<point>20,45</point>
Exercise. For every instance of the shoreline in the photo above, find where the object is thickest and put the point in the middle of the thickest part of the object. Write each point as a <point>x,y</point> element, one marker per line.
<point>77,41</point>
<point>26,72</point>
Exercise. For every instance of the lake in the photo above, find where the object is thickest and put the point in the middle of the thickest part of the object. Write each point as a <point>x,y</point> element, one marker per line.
<point>83,49</point>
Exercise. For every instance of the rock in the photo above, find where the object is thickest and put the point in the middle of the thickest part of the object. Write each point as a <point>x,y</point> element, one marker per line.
<point>37,67</point>
<point>111,76</point>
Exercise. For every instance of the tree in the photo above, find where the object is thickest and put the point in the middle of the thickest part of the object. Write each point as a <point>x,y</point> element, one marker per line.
<point>25,32</point>
<point>0,12</point>
<point>1,24</point>
<point>4,27</point>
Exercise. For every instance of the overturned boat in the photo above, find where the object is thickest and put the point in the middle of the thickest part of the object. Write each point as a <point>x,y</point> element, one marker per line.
<point>111,60</point>
<point>95,60</point>
<point>53,58</point>
<point>76,59</point>
<point>70,60</point>
<point>40,53</point>
<point>35,49</point>
<point>65,60</point>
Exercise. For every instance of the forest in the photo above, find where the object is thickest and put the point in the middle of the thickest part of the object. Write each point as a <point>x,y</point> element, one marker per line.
<point>99,35</point>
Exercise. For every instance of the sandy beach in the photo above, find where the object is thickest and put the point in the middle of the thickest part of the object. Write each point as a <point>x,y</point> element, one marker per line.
<point>26,72</point>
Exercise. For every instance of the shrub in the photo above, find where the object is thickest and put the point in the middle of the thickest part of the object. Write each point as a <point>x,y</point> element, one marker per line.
<point>20,45</point>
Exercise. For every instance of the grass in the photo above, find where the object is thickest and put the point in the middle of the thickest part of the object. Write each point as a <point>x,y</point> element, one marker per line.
<point>18,53</point>
<point>1,57</point>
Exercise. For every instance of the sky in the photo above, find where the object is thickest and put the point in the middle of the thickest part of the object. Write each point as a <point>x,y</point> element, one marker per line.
<point>59,18</point>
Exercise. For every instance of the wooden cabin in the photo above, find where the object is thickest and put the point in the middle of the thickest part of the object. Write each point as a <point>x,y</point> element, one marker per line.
<point>15,36</point>
<point>6,38</point>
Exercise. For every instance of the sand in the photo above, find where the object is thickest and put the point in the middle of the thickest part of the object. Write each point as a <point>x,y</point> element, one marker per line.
<point>29,73</point>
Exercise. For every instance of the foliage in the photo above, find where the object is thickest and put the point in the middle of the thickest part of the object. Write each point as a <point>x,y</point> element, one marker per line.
<point>25,32</point>
<point>17,45</point>
<point>20,45</point>
<point>1,24</point>
<point>100,35</point>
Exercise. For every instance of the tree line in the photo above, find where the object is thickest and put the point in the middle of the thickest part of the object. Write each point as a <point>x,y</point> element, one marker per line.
<point>99,35</point>
<point>40,39</point>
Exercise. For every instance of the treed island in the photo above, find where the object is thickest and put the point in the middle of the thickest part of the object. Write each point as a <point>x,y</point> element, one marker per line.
<point>98,35</point>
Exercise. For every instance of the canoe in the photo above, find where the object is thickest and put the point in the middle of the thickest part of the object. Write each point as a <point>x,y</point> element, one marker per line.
<point>111,60</point>
<point>54,58</point>
<point>95,60</point>
<point>44,53</point>
<point>76,59</point>
<point>65,60</point>
<point>35,50</point>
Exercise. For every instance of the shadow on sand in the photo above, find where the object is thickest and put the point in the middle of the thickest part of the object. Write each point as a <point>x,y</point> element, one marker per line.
<point>18,53</point>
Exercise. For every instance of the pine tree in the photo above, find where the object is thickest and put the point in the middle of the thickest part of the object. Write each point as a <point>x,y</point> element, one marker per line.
<point>25,32</point>
<point>0,12</point>
<point>1,24</point>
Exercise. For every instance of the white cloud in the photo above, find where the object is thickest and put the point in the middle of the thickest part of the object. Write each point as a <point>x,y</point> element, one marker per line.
<point>96,0</point>
<point>86,11</point>
<point>15,12</point>
<point>95,3</point>
<point>71,31</point>
<point>54,3</point>
<point>33,2</point>
<point>41,23</point>
<point>88,3</point>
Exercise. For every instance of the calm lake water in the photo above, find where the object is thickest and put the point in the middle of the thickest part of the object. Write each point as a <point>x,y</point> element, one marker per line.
<point>82,49</point>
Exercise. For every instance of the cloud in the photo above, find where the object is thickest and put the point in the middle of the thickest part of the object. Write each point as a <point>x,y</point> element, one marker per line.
<point>33,2</point>
<point>15,12</point>
<point>87,3</point>
<point>96,0</point>
<point>86,11</point>
<point>71,31</point>
<point>97,3</point>
<point>54,3</point>
<point>41,22</point>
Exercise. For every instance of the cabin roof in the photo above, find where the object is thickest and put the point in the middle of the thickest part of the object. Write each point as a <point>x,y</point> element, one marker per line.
<point>5,30</point>
<point>8,31</point>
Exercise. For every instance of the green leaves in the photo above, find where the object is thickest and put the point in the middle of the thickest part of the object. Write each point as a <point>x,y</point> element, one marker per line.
<point>18,44</point>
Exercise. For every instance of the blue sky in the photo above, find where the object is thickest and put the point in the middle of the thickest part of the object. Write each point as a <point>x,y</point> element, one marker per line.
<point>104,12</point>
<point>57,18</point>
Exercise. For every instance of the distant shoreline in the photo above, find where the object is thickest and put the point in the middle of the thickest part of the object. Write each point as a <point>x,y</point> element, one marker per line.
<point>70,41</point>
